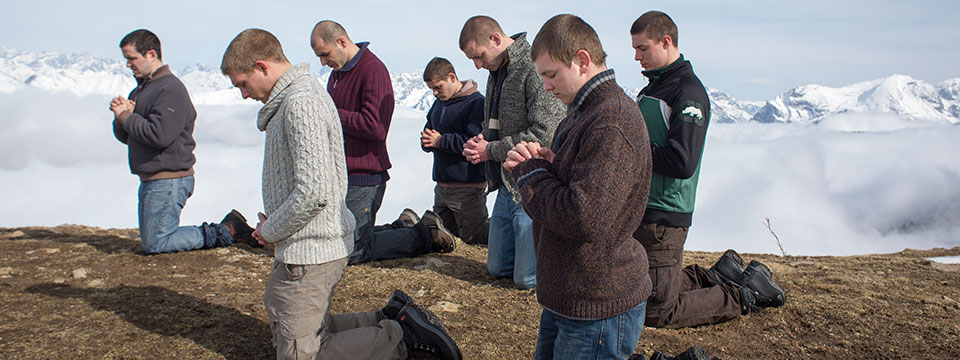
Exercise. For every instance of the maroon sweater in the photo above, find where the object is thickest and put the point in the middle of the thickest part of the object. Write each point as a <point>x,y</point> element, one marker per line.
<point>362,91</point>
<point>586,205</point>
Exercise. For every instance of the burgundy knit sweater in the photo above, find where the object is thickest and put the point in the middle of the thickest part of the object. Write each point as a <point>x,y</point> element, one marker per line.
<point>362,91</point>
<point>586,205</point>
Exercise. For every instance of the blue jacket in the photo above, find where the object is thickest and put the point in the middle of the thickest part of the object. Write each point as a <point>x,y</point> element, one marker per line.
<point>457,119</point>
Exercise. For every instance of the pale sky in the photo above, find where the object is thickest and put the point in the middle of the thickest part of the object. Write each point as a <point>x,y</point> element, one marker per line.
<point>751,49</point>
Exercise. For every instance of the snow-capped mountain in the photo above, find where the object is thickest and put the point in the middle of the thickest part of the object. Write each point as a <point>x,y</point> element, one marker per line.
<point>899,95</point>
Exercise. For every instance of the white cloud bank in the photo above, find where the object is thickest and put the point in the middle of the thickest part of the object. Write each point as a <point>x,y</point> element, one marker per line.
<point>852,184</point>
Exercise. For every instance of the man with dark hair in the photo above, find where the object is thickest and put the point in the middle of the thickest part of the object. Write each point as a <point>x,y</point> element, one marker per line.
<point>516,109</point>
<point>677,112</point>
<point>156,122</point>
<point>361,89</point>
<point>456,116</point>
<point>586,194</point>
<point>304,189</point>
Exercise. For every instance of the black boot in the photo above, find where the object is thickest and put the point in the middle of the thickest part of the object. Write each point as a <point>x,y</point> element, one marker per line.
<point>395,304</point>
<point>423,331</point>
<point>241,232</point>
<point>729,267</point>
<point>758,279</point>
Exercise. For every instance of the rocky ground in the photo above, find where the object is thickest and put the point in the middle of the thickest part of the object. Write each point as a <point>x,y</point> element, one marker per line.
<point>76,292</point>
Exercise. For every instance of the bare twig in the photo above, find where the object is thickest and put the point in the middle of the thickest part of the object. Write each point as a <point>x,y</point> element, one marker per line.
<point>775,237</point>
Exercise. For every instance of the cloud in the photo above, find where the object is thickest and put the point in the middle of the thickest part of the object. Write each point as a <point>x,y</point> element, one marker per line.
<point>759,81</point>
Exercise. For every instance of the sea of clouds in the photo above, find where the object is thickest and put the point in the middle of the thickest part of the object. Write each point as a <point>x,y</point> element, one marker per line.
<point>850,184</point>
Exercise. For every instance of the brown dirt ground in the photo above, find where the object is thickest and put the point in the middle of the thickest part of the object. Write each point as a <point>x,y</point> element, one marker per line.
<point>208,304</point>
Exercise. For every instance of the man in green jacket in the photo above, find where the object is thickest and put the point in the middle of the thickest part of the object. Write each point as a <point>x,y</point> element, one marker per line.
<point>676,109</point>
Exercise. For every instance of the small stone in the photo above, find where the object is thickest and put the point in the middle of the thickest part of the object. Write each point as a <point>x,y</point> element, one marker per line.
<point>947,298</point>
<point>50,251</point>
<point>79,273</point>
<point>445,306</point>
<point>801,263</point>
<point>436,262</point>
<point>95,283</point>
<point>223,251</point>
<point>6,270</point>
<point>59,280</point>
<point>14,234</point>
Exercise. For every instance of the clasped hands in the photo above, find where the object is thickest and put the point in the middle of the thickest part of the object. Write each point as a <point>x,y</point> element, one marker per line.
<point>524,151</point>
<point>118,105</point>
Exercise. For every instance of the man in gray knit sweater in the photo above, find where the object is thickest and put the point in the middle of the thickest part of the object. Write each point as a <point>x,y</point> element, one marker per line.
<point>306,217</point>
<point>516,109</point>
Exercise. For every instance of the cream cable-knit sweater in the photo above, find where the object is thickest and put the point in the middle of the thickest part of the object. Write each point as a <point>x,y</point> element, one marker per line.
<point>304,172</point>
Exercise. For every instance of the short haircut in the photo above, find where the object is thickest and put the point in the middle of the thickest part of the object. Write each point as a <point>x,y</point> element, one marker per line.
<point>478,29</point>
<point>247,48</point>
<point>656,24</point>
<point>438,69</point>
<point>143,40</point>
<point>563,35</point>
<point>328,31</point>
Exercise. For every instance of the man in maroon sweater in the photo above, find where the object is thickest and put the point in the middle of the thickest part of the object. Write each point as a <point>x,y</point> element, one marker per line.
<point>360,87</point>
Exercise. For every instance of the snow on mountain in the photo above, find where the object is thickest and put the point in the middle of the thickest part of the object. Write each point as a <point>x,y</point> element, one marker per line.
<point>897,94</point>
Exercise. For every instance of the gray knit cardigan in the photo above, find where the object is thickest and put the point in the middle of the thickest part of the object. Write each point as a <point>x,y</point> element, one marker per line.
<point>304,172</point>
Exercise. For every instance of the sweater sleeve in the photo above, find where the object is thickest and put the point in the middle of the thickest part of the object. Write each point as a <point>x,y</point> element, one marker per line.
<point>165,119</point>
<point>372,120</point>
<point>470,123</point>
<point>119,132</point>
<point>603,175</point>
<point>679,156</point>
<point>308,141</point>
<point>544,112</point>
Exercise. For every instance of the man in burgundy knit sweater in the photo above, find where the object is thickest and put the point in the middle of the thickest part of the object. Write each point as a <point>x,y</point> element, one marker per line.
<point>360,87</point>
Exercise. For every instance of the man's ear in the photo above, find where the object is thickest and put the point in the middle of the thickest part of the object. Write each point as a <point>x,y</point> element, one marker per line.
<point>667,41</point>
<point>261,66</point>
<point>451,77</point>
<point>582,60</point>
<point>496,39</point>
<point>342,42</point>
<point>151,54</point>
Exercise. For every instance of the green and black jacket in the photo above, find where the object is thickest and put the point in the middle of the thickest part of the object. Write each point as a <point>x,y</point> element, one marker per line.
<point>676,109</point>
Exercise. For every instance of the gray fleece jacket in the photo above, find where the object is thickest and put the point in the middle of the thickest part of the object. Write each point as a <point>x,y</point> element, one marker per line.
<point>304,172</point>
<point>527,112</point>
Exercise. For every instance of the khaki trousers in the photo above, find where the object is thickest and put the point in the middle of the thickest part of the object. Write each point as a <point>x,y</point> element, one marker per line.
<point>682,297</point>
<point>297,300</point>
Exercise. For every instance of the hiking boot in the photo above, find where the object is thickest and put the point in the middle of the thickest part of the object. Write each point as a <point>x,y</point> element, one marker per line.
<point>395,304</point>
<point>442,240</point>
<point>729,267</point>
<point>408,217</point>
<point>758,278</point>
<point>423,331</point>
<point>748,301</point>
<point>241,232</point>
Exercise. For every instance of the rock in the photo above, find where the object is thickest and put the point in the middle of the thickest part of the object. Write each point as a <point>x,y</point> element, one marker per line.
<point>801,263</point>
<point>444,306</point>
<point>50,251</point>
<point>435,262</point>
<point>6,270</point>
<point>95,283</point>
<point>79,273</point>
<point>223,251</point>
<point>59,280</point>
<point>13,234</point>
<point>946,298</point>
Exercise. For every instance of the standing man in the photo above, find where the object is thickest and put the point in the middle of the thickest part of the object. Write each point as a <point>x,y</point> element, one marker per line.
<point>304,186</point>
<point>460,197</point>
<point>156,123</point>
<point>677,111</point>
<point>586,195</point>
<point>516,109</point>
<point>361,89</point>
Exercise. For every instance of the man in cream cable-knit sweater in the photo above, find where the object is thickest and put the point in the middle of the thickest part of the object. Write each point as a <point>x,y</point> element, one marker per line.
<point>304,190</point>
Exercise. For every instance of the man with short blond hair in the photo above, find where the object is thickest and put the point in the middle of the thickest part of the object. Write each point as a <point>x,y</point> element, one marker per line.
<point>677,112</point>
<point>460,197</point>
<point>156,123</point>
<point>586,193</point>
<point>360,87</point>
<point>306,218</point>
<point>516,109</point>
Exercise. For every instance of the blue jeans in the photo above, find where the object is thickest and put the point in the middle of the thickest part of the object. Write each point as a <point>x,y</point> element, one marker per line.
<point>611,338</point>
<point>390,241</point>
<point>159,215</point>
<point>510,246</point>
